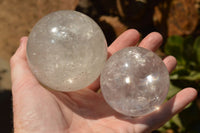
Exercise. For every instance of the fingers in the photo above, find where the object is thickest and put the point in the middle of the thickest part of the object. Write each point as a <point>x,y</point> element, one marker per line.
<point>95,86</point>
<point>20,53</point>
<point>19,68</point>
<point>170,63</point>
<point>169,109</point>
<point>126,39</point>
<point>152,41</point>
<point>130,38</point>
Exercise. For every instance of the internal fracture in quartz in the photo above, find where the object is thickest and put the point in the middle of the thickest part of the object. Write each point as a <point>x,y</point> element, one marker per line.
<point>134,81</point>
<point>66,50</point>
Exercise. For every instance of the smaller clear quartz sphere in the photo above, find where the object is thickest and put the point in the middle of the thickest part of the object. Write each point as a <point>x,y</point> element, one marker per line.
<point>134,81</point>
<point>66,50</point>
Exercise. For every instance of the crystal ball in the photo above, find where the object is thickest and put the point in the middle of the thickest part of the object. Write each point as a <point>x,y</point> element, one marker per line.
<point>134,81</point>
<point>66,50</point>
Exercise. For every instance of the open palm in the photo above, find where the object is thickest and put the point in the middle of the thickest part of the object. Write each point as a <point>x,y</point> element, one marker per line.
<point>37,109</point>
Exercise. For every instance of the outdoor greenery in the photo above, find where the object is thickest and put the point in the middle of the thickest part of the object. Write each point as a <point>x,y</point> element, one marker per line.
<point>187,74</point>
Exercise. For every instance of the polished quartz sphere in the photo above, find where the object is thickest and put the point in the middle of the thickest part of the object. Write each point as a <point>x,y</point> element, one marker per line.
<point>66,50</point>
<point>134,81</point>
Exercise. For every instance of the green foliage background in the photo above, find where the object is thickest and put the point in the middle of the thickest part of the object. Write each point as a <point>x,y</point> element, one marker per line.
<point>187,74</point>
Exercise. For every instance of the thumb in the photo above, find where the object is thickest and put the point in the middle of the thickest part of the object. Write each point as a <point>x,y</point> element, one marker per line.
<point>20,72</point>
<point>29,97</point>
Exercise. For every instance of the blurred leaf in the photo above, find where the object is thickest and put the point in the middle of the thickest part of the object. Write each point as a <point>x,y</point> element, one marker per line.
<point>187,73</point>
<point>167,125</point>
<point>174,124</point>
<point>191,122</point>
<point>197,48</point>
<point>175,76</point>
<point>172,90</point>
<point>174,46</point>
<point>188,51</point>
<point>182,72</point>
<point>177,122</point>
<point>190,104</point>
<point>193,76</point>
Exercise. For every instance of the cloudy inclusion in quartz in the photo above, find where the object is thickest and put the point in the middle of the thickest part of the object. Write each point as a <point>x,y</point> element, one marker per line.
<point>134,81</point>
<point>66,50</point>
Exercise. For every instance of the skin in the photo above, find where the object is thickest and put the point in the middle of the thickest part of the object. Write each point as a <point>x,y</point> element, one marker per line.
<point>40,110</point>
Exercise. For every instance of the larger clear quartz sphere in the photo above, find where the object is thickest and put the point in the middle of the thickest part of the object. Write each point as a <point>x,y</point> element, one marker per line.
<point>66,50</point>
<point>135,81</point>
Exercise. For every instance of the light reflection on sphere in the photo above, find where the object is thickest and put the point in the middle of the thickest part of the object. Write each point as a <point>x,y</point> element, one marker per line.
<point>66,50</point>
<point>135,81</point>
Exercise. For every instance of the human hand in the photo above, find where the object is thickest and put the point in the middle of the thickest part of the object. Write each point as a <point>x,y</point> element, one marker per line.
<point>40,110</point>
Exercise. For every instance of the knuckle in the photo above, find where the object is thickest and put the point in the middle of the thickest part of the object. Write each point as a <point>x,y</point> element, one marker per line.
<point>13,61</point>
